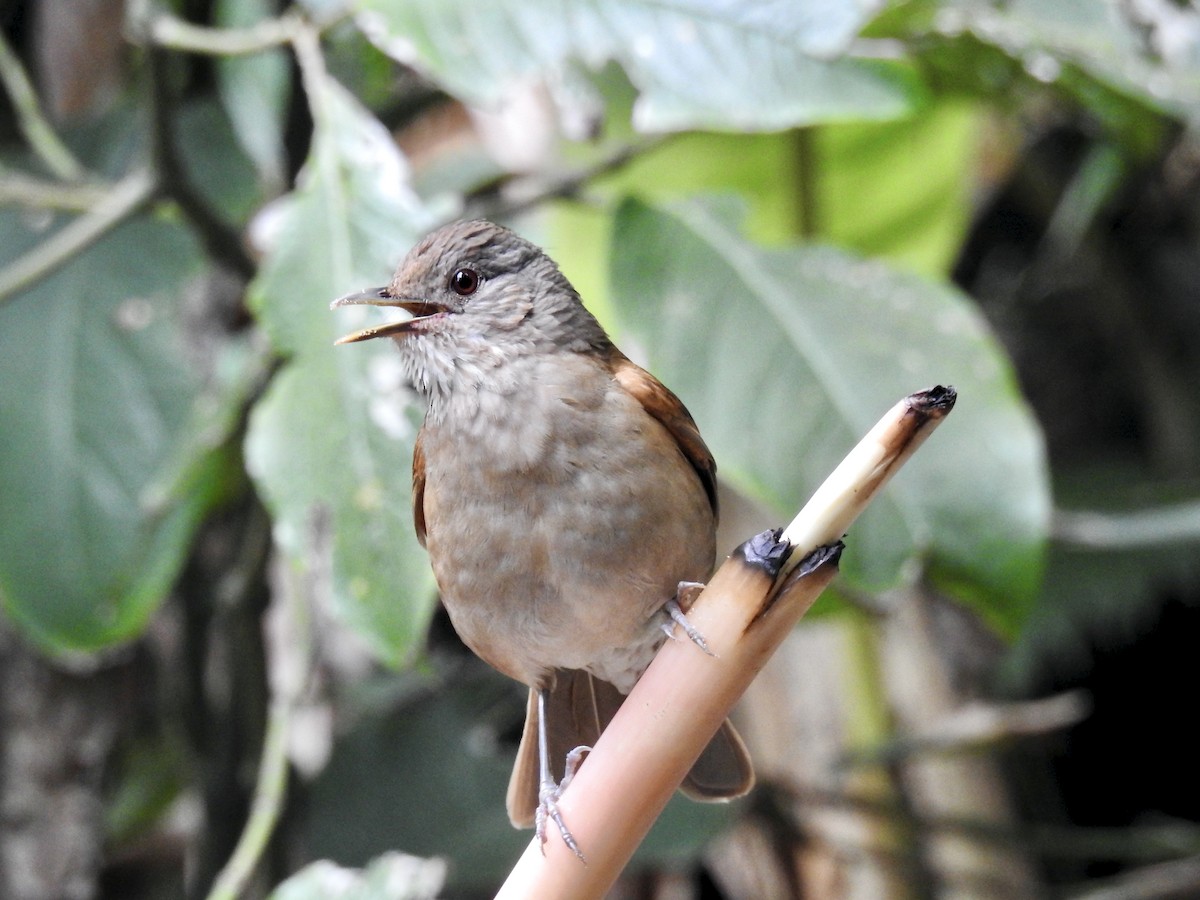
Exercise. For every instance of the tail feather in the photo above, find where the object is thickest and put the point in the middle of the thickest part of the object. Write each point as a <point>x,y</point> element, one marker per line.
<point>523,785</point>
<point>723,771</point>
<point>580,706</point>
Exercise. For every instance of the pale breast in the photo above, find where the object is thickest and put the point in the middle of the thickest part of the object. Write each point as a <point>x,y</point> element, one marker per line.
<point>560,518</point>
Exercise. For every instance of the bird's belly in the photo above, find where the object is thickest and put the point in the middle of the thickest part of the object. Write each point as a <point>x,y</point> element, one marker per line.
<point>567,564</point>
<point>528,625</point>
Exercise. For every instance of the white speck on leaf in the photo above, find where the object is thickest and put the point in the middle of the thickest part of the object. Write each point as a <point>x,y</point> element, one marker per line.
<point>134,314</point>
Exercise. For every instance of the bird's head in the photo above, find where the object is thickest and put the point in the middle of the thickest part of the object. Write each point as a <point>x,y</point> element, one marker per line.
<point>474,285</point>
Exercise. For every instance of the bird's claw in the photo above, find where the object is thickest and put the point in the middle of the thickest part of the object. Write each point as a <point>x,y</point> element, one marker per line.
<point>547,809</point>
<point>685,593</point>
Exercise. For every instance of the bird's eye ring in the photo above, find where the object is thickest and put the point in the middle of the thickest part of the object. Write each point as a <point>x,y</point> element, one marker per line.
<point>464,282</point>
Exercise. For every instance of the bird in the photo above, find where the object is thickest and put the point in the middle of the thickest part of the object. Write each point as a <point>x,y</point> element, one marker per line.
<point>564,495</point>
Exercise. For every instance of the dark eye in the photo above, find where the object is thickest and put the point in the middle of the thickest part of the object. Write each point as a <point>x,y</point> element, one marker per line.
<point>464,282</point>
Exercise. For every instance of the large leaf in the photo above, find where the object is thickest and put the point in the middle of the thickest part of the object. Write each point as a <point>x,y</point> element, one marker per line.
<point>696,63</point>
<point>330,445</point>
<point>1151,51</point>
<point>787,356</point>
<point>897,189</point>
<point>94,393</point>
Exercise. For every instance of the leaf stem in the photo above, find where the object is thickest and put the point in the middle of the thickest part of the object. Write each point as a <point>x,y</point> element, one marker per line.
<point>158,27</point>
<point>21,189</point>
<point>161,28</point>
<point>1169,523</point>
<point>806,161</point>
<point>42,137</point>
<point>520,196</point>
<point>287,683</point>
<point>124,199</point>
<point>269,792</point>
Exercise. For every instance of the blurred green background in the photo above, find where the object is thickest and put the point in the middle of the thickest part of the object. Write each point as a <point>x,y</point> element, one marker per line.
<point>794,214</point>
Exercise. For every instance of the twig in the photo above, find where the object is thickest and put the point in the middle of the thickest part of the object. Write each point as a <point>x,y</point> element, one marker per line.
<point>147,23</point>
<point>1177,878</point>
<point>125,198</point>
<point>1129,529</point>
<point>306,44</point>
<point>21,189</point>
<point>289,626</point>
<point>747,610</point>
<point>269,792</point>
<point>152,25</point>
<point>43,139</point>
<point>314,77</point>
<point>173,33</point>
<point>808,212</point>
<point>518,196</point>
<point>978,725</point>
<point>1152,842</point>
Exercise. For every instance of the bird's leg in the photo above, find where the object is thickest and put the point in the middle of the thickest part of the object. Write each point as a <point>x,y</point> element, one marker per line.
<point>548,790</point>
<point>685,594</point>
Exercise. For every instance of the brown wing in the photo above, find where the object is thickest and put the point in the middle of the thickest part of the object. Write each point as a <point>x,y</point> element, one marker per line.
<point>418,487</point>
<point>670,412</point>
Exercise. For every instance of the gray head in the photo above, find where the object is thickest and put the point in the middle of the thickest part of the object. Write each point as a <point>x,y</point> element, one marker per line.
<point>479,295</point>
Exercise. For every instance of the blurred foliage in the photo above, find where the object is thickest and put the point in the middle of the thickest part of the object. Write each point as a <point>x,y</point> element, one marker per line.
<point>763,201</point>
<point>395,876</point>
<point>351,208</point>
<point>94,402</point>
<point>782,405</point>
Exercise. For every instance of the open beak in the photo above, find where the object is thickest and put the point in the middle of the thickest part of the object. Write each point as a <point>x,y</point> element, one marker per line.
<point>420,309</point>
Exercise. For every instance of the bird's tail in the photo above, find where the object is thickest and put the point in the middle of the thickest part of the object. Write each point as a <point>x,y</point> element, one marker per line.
<point>578,709</point>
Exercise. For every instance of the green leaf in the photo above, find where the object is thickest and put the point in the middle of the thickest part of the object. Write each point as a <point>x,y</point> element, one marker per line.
<point>787,356</point>
<point>898,189</point>
<point>95,391</point>
<point>330,445</point>
<point>695,63</point>
<point>253,89</point>
<point>1150,51</point>
<point>217,169</point>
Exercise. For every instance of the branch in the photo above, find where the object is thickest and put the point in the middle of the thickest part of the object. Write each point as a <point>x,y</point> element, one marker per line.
<point>21,189</point>
<point>515,196</point>
<point>269,792</point>
<point>287,624</point>
<point>1175,878</point>
<point>43,139</point>
<point>125,198</point>
<point>151,25</point>
<point>1130,529</point>
<point>978,725</point>
<point>748,608</point>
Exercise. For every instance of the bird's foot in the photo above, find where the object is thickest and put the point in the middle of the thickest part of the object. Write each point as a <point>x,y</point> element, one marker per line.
<point>685,594</point>
<point>574,758</point>
<point>547,810</point>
